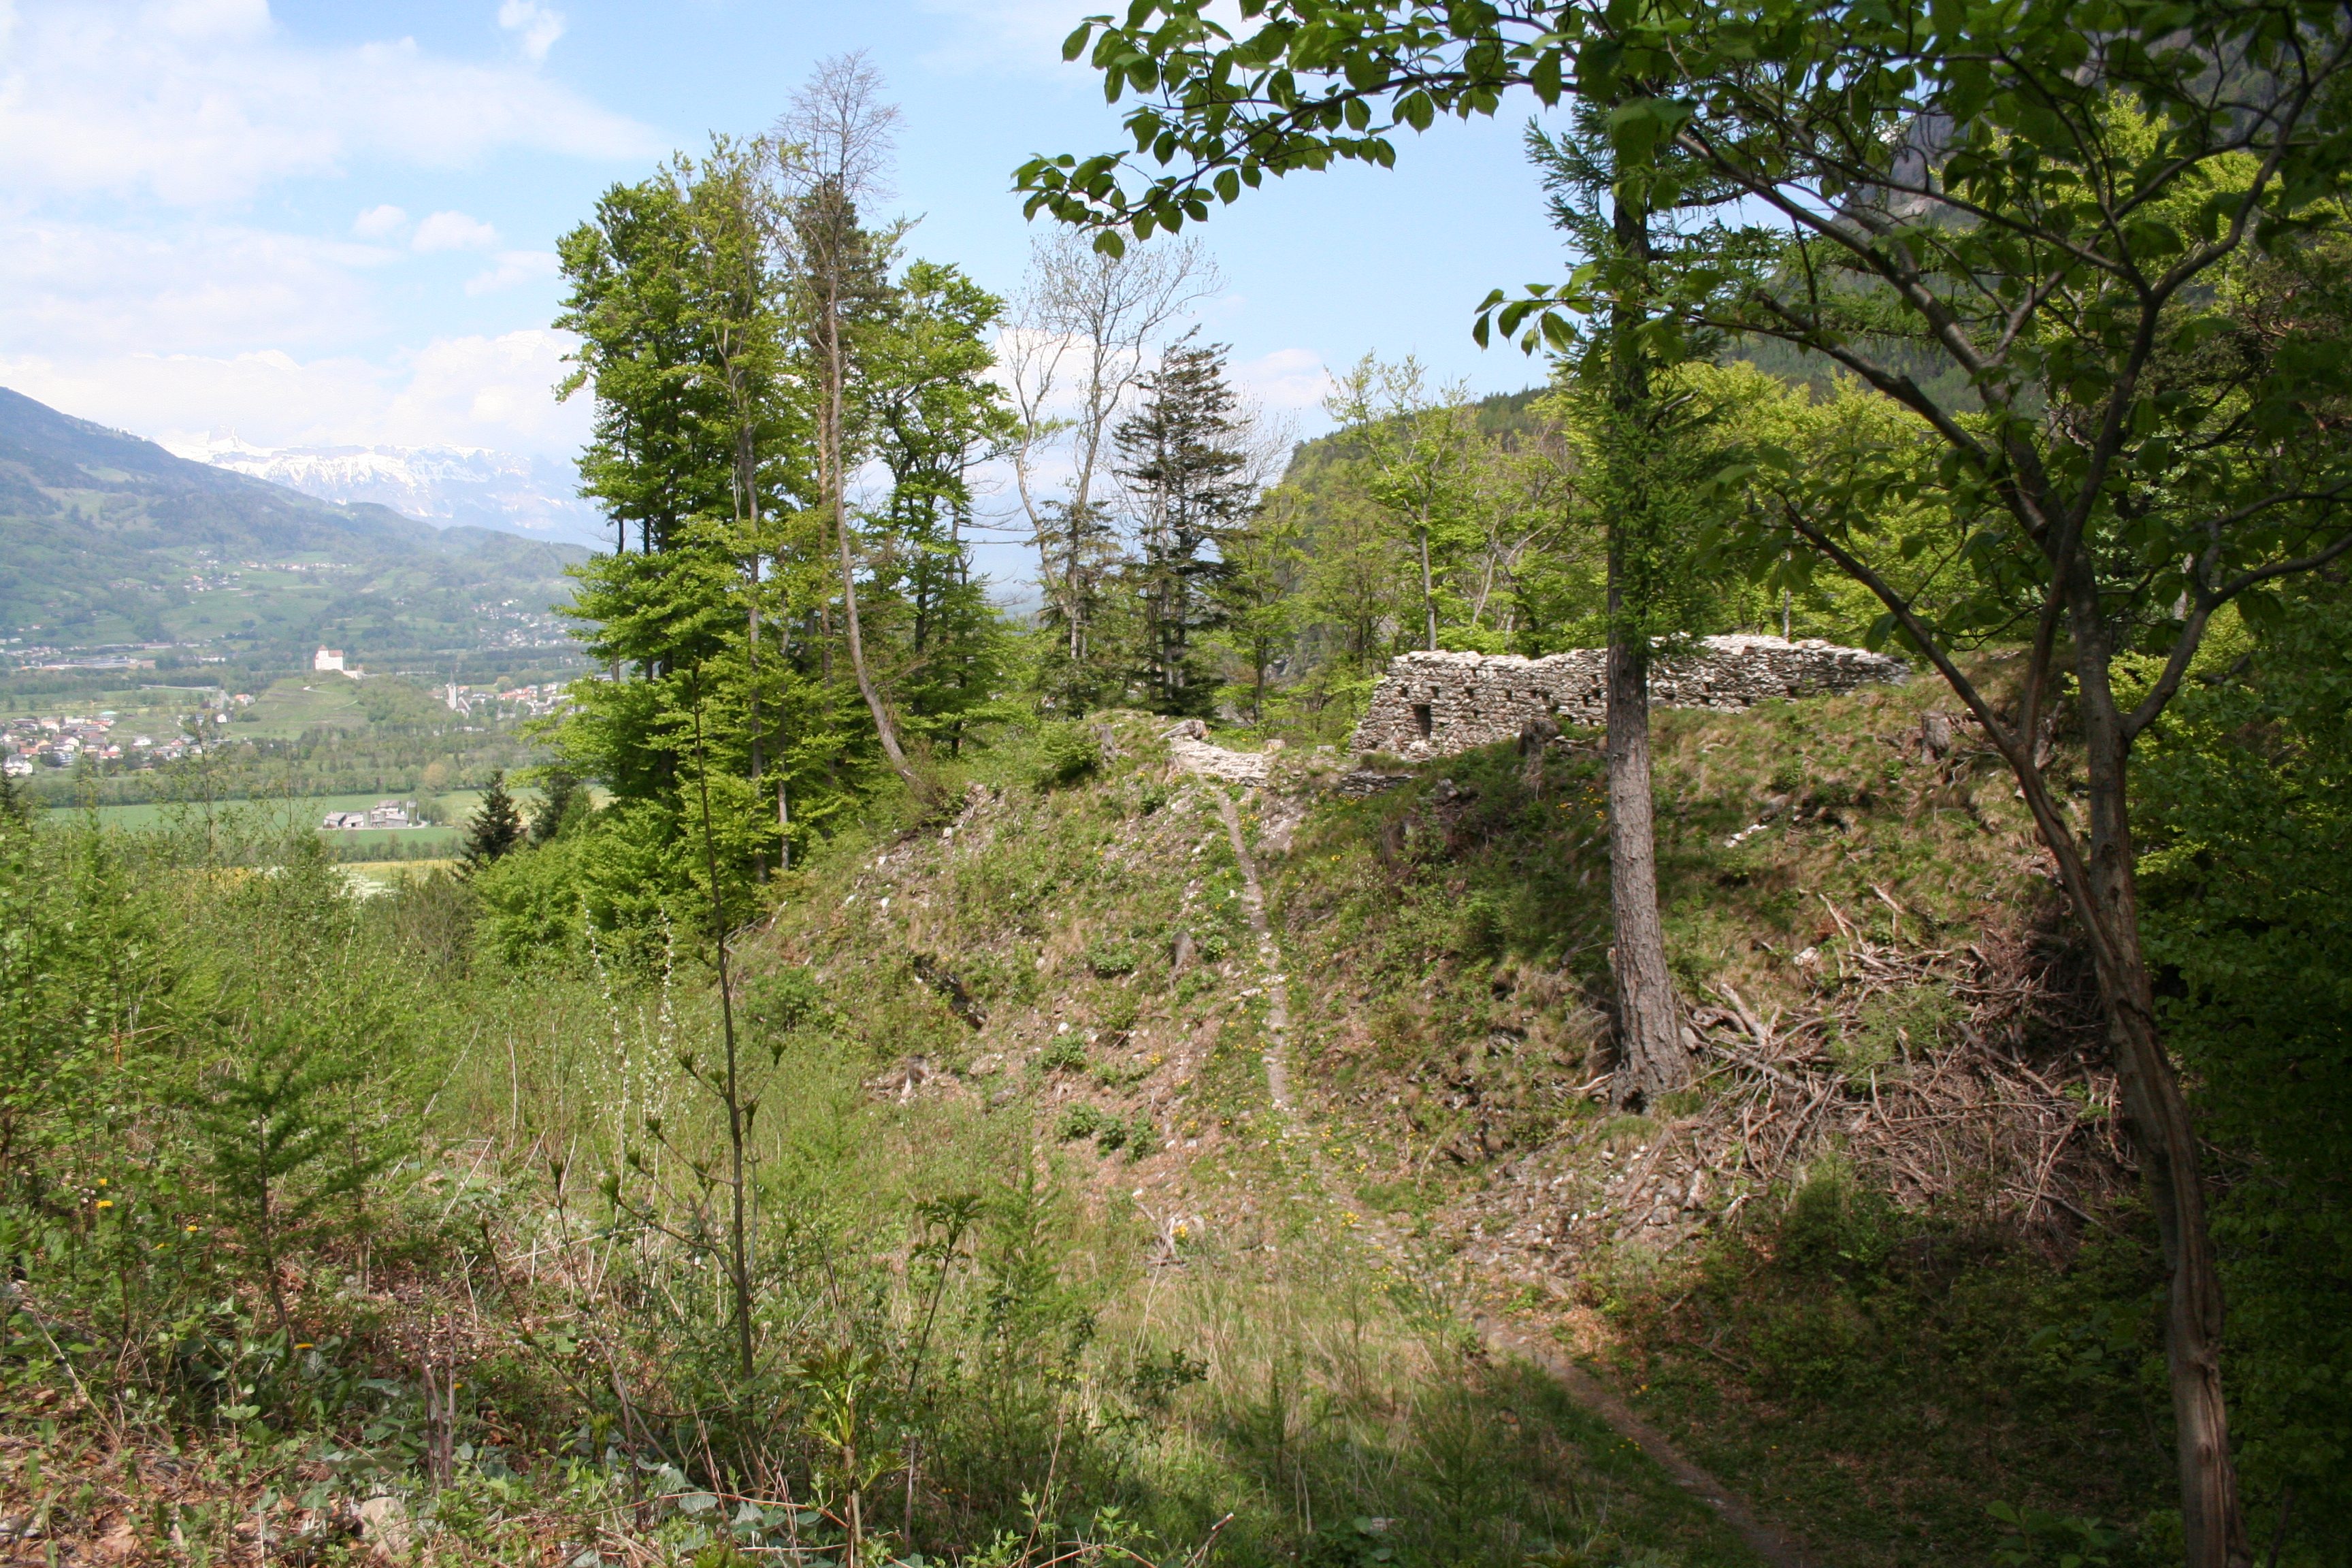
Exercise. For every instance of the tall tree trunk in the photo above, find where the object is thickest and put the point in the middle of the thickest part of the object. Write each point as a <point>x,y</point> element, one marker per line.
<point>1650,1057</point>
<point>1428,588</point>
<point>837,482</point>
<point>784,805</point>
<point>2162,1130</point>
<point>747,504</point>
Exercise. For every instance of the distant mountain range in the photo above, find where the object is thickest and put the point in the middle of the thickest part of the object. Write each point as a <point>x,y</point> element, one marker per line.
<point>535,497</point>
<point>109,540</point>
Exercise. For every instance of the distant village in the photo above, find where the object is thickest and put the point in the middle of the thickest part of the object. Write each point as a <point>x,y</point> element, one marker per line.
<point>29,742</point>
<point>515,701</point>
<point>492,701</point>
<point>26,743</point>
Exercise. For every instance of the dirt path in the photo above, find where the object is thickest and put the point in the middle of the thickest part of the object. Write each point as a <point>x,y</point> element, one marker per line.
<point>1500,1337</point>
<point>1276,1054</point>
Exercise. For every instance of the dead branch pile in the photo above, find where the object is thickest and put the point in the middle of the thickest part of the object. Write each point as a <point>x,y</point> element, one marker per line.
<point>2011,1112</point>
<point>2003,1113</point>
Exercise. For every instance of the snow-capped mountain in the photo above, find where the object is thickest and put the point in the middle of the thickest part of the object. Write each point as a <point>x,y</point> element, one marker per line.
<point>442,484</point>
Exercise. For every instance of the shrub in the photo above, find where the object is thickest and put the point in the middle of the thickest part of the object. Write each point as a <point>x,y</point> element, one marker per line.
<point>1834,1227</point>
<point>787,1000</point>
<point>1067,752</point>
<point>1111,959</point>
<point>1085,1121</point>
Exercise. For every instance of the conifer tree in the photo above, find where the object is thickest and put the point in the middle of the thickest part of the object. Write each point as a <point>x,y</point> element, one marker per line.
<point>560,794</point>
<point>281,1150</point>
<point>1081,544</point>
<point>496,828</point>
<point>1084,331</point>
<point>1187,472</point>
<point>1644,484</point>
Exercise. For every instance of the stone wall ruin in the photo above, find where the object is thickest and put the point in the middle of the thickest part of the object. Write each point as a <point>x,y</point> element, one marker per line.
<point>1438,704</point>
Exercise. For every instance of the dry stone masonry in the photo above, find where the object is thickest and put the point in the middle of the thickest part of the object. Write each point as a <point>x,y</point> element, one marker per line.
<point>1436,704</point>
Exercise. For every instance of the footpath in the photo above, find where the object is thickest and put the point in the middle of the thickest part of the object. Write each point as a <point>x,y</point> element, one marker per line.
<point>1499,1335</point>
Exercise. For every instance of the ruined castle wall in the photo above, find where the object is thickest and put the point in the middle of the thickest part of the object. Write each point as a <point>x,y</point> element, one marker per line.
<point>1436,704</point>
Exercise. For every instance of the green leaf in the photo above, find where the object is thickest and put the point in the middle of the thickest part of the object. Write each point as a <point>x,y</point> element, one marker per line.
<point>1545,79</point>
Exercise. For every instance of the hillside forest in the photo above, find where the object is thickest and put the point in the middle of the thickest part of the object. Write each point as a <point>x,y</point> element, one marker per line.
<point>895,1079</point>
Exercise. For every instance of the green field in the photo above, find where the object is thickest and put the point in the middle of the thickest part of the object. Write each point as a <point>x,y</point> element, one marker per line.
<point>278,813</point>
<point>283,711</point>
<point>298,704</point>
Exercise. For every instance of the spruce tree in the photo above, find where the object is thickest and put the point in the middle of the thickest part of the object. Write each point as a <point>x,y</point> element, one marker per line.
<point>284,1154</point>
<point>560,794</point>
<point>1076,666</point>
<point>1183,459</point>
<point>497,826</point>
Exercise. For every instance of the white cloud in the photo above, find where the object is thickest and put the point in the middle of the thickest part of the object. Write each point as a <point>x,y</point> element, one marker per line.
<point>1288,379</point>
<point>514,267</point>
<point>379,222</point>
<point>136,294</point>
<point>192,286</point>
<point>996,34</point>
<point>490,391</point>
<point>452,231</point>
<point>202,101</point>
<point>213,19</point>
<point>536,26</point>
<point>481,390</point>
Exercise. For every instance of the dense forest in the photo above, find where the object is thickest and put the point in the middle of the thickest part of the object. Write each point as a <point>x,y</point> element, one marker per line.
<point>881,1087</point>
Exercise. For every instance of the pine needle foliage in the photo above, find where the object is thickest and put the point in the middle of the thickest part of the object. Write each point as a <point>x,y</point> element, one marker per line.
<point>497,827</point>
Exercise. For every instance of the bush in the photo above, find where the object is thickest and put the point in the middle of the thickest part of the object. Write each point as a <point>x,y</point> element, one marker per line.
<point>787,1000</point>
<point>1109,958</point>
<point>1067,752</point>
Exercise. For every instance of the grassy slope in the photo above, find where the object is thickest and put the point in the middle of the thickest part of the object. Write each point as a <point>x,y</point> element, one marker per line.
<point>1869,1376</point>
<point>1448,959</point>
<point>1337,1389</point>
<point>1007,997</point>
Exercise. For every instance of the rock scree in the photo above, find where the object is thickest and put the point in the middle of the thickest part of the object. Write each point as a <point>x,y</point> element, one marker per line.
<point>1438,704</point>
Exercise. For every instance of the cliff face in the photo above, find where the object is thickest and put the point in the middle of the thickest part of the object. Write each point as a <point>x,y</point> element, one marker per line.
<point>1441,704</point>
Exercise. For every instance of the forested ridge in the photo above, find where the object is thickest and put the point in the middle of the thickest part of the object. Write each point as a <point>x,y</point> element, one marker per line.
<point>874,1091</point>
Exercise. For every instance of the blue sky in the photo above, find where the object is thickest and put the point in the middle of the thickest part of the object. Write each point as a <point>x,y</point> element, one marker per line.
<point>316,222</point>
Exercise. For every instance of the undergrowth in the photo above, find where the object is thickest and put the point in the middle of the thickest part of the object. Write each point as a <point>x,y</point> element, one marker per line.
<point>483,1312</point>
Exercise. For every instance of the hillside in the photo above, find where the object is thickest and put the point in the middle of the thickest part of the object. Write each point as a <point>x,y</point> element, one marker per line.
<point>107,540</point>
<point>1139,1163</point>
<point>1405,1069</point>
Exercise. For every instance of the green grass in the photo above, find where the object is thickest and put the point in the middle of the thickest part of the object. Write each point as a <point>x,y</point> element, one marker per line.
<point>1336,1389</point>
<point>1449,965</point>
<point>276,814</point>
<point>1183,1322</point>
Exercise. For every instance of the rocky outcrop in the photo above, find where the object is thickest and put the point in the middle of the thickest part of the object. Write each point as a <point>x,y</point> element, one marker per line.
<point>1436,704</point>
